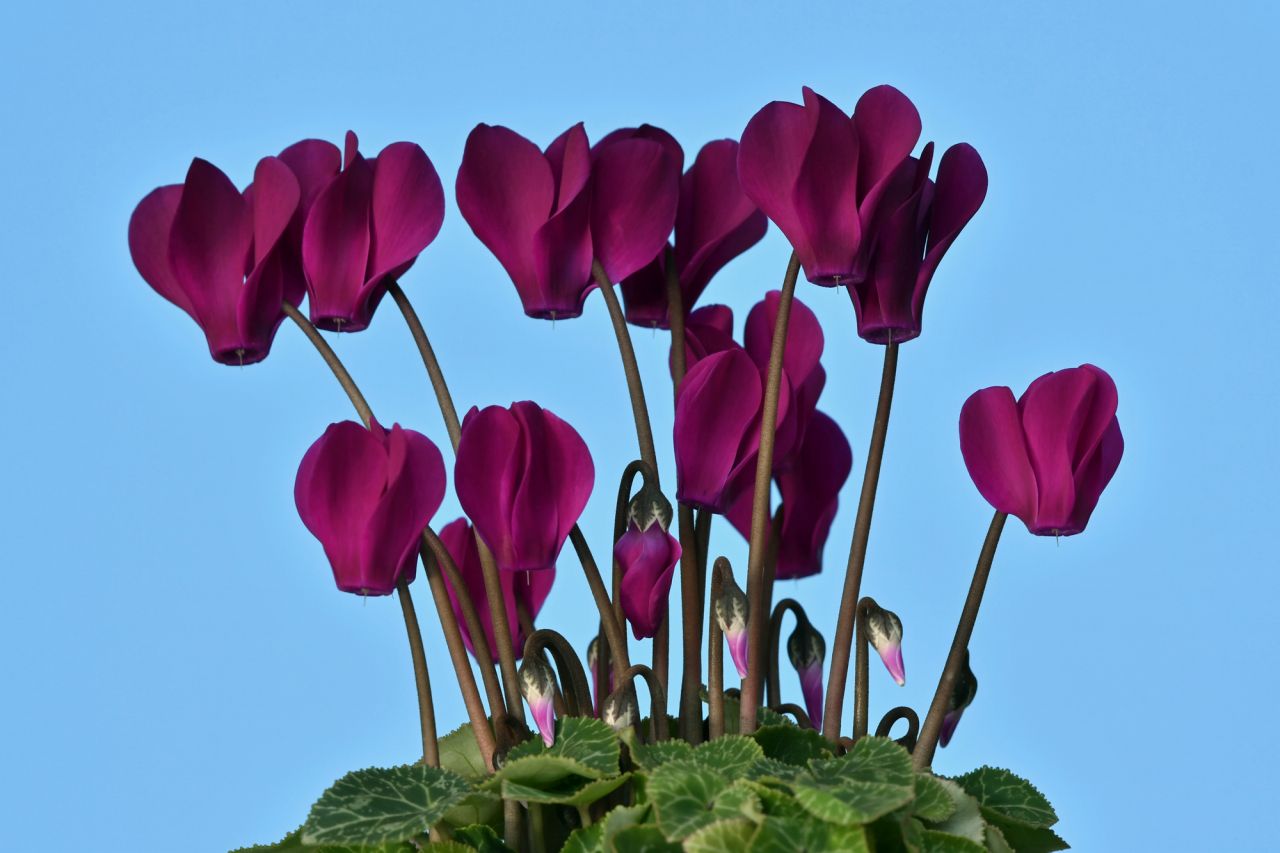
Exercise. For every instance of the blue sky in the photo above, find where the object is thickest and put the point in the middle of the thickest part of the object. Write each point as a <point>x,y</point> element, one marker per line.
<point>175,659</point>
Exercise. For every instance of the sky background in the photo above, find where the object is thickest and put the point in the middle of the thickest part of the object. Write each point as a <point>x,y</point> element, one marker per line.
<point>176,663</point>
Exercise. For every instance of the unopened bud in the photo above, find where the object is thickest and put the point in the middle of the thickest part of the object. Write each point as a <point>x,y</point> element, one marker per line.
<point>619,711</point>
<point>538,686</point>
<point>961,697</point>
<point>884,630</point>
<point>731,614</point>
<point>807,651</point>
<point>649,505</point>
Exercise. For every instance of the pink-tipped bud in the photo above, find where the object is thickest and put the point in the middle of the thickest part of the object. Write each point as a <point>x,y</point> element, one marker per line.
<point>807,651</point>
<point>731,614</point>
<point>538,686</point>
<point>884,631</point>
<point>961,697</point>
<point>619,711</point>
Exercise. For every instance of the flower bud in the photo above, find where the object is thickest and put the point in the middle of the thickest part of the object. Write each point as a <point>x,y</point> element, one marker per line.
<point>961,697</point>
<point>731,614</point>
<point>538,686</point>
<point>649,505</point>
<point>884,631</point>
<point>807,651</point>
<point>619,711</point>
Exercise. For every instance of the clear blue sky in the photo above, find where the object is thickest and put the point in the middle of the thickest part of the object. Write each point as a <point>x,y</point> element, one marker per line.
<point>177,667</point>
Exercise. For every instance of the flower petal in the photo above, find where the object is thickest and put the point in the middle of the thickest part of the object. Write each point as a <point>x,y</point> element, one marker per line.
<point>149,229</point>
<point>335,248</point>
<point>635,187</point>
<point>995,452</point>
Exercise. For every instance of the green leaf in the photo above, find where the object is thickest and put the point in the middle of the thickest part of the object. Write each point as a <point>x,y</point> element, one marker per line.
<point>851,803</point>
<point>642,838</point>
<point>292,843</point>
<point>787,835</point>
<point>942,842</point>
<point>996,842</point>
<point>585,741</point>
<point>876,759</point>
<point>651,756</point>
<point>482,838</point>
<point>588,839</point>
<point>1010,795</point>
<point>776,803</point>
<point>459,753</point>
<point>966,819</point>
<point>932,802</point>
<point>446,847</point>
<point>771,769</point>
<point>575,793</point>
<point>791,744</point>
<point>377,805</point>
<point>687,797</point>
<point>733,714</point>
<point>723,836</point>
<point>732,755</point>
<point>1022,837</point>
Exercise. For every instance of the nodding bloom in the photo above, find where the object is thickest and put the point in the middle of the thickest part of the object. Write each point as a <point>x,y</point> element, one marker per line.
<point>367,495</point>
<point>520,590</point>
<point>917,222</point>
<point>820,174</point>
<point>961,697</point>
<point>731,609</point>
<point>364,227</point>
<point>538,686</point>
<point>523,477</point>
<point>884,632</point>
<point>805,377</point>
<point>807,651</point>
<point>810,490</point>
<point>1046,457</point>
<point>717,428</point>
<point>220,255</point>
<point>546,215</point>
<point>715,222</point>
<point>647,554</point>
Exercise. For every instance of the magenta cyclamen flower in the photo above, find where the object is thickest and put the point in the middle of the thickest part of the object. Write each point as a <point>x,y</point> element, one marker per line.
<point>717,428</point>
<point>523,477</point>
<point>805,377</point>
<point>527,590</point>
<point>917,222</point>
<point>218,254</point>
<point>1047,457</point>
<point>648,559</point>
<point>820,175</point>
<point>715,223</point>
<point>545,215</point>
<point>365,228</point>
<point>367,495</point>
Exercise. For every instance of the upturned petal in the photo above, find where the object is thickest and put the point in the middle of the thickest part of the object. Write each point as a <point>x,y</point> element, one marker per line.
<point>635,188</point>
<point>523,476</point>
<point>716,408</point>
<point>995,451</point>
<point>810,489</point>
<point>648,560</point>
<point>335,248</point>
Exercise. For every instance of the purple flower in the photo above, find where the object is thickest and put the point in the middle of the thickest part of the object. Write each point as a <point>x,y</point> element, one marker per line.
<point>717,429</point>
<point>367,495</point>
<point>707,330</point>
<point>365,227</point>
<point>647,554</point>
<point>219,255</point>
<point>730,610</point>
<point>715,222</point>
<point>917,222</point>
<point>1047,457</point>
<point>820,175</point>
<point>805,377</point>
<point>807,651</point>
<point>538,686</point>
<point>519,589</point>
<point>544,216</point>
<point>523,477</point>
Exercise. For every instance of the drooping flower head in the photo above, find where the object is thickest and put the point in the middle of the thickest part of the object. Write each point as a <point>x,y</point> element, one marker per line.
<point>715,222</point>
<point>884,632</point>
<point>819,174</point>
<point>807,651</point>
<point>520,590</point>
<point>647,554</point>
<point>546,215</point>
<point>917,222</point>
<point>730,609</point>
<point>523,477</point>
<point>219,254</point>
<point>364,227</point>
<point>367,495</point>
<point>966,690</point>
<point>538,687</point>
<point>1046,457</point>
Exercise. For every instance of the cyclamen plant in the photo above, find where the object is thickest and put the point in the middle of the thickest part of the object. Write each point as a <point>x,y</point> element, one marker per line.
<point>733,769</point>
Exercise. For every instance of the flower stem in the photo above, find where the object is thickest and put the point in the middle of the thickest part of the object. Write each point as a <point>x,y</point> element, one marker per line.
<point>612,627</point>
<point>657,700</point>
<point>426,707</point>
<point>331,359</point>
<point>488,567</point>
<point>843,640</point>
<point>691,625</point>
<point>715,656</point>
<point>861,678</point>
<point>760,519</point>
<point>922,756</point>
<point>573,678</point>
<point>773,689</point>
<point>644,433</point>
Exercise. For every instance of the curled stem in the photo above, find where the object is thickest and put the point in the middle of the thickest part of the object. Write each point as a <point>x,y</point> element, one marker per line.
<point>657,699</point>
<point>923,755</point>
<point>421,678</point>
<point>843,640</point>
<point>773,690</point>
<point>757,583</point>
<point>902,712</point>
<point>802,718</point>
<point>573,678</point>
